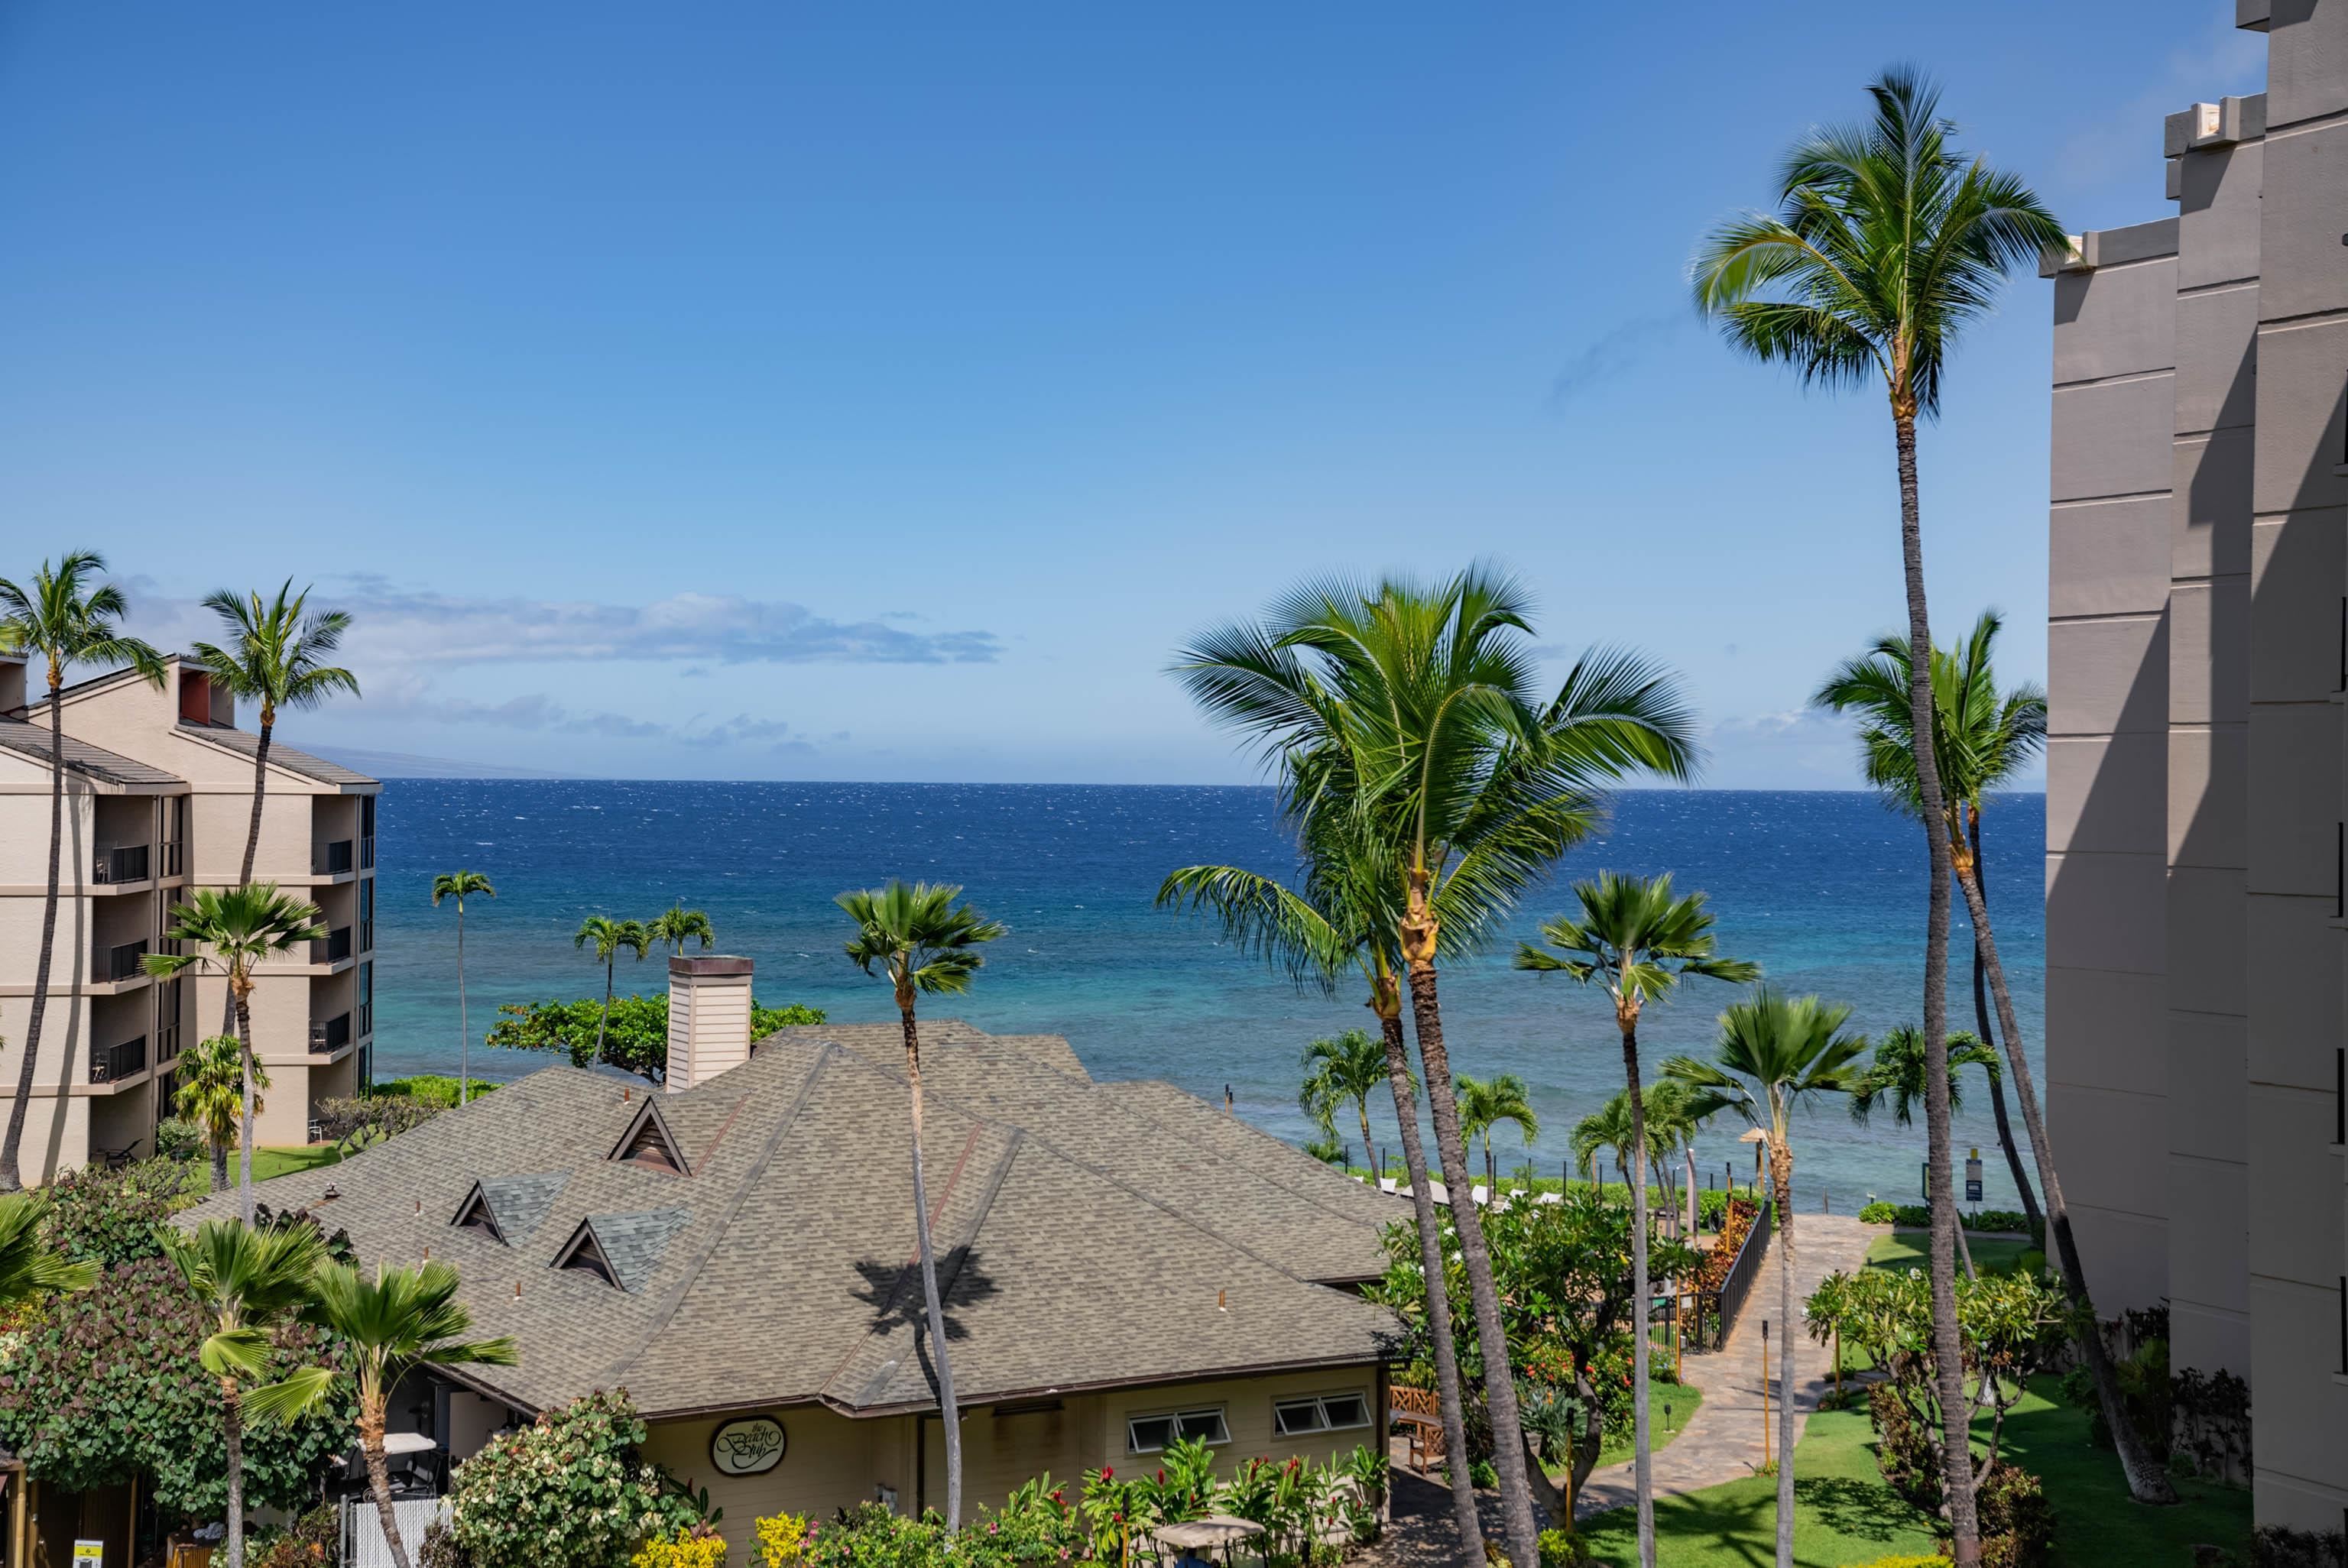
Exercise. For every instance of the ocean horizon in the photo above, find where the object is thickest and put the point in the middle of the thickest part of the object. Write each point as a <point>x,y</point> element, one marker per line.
<point>1824,889</point>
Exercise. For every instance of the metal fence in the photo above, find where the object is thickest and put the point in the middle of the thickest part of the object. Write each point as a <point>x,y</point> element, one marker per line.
<point>1716,1310</point>
<point>363,1543</point>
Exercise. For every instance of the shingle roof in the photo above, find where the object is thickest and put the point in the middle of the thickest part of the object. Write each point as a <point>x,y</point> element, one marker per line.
<point>1087,1235</point>
<point>518,1203</point>
<point>31,740</point>
<point>244,743</point>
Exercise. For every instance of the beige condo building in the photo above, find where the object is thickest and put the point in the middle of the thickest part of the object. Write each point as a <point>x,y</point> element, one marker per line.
<point>158,800</point>
<point>2198,656</point>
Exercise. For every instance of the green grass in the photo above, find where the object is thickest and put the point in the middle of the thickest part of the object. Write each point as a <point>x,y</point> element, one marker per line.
<point>1913,1249</point>
<point>2096,1525</point>
<point>1682,1399</point>
<point>268,1162</point>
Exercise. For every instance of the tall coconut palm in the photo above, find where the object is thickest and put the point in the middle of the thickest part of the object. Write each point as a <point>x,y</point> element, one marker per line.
<point>233,930</point>
<point>1338,922</point>
<point>460,884</point>
<point>1413,709</point>
<point>405,1319</point>
<point>29,1265</point>
<point>1484,1105</point>
<point>62,616</point>
<point>609,938</point>
<point>677,924</point>
<point>1345,1071</point>
<point>1775,1053</point>
<point>211,1093</point>
<point>1886,246</point>
<point>275,656</point>
<point>246,1281</point>
<point>1636,938</point>
<point>1983,738</point>
<point>922,942</point>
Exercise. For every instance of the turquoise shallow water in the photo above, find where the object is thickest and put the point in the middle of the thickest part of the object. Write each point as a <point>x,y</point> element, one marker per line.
<point>1825,890</point>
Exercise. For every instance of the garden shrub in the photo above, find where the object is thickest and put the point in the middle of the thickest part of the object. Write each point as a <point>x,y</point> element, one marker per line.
<point>354,1124</point>
<point>1907,1561</point>
<point>177,1140</point>
<point>106,1218</point>
<point>433,1088</point>
<point>1904,1450</point>
<point>782,1540</point>
<point>570,1491</point>
<point>2279,1546</point>
<point>2000,1220</point>
<point>313,1540</point>
<point>2017,1523</point>
<point>1562,1549</point>
<point>1880,1213</point>
<point>441,1548</point>
<point>698,1547</point>
<point>877,1537</point>
<point>635,1039</point>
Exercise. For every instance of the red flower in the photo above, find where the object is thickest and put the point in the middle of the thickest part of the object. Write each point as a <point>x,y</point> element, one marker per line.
<point>1109,1473</point>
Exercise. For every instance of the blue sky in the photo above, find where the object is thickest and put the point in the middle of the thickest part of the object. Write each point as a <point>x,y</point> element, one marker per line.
<point>739,392</point>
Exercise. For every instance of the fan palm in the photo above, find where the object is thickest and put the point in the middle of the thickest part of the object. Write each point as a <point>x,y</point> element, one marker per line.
<point>29,1265</point>
<point>405,1319</point>
<point>1484,1105</point>
<point>275,657</point>
<point>245,1281</point>
<point>921,941</point>
<point>62,616</point>
<point>1636,938</point>
<point>1776,1054</point>
<point>1341,921</point>
<point>232,930</point>
<point>1982,737</point>
<point>609,938</point>
<point>1413,709</point>
<point>210,1095</point>
<point>460,884</point>
<point>1886,246</point>
<point>1345,1071</point>
<point>677,924</point>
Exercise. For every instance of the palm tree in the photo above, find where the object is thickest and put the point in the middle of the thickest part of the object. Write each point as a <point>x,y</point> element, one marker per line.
<point>29,1265</point>
<point>1341,919</point>
<point>1887,244</point>
<point>1983,738</point>
<point>1897,1079</point>
<point>677,924</point>
<point>246,1281</point>
<point>609,937</point>
<point>1412,711</point>
<point>274,658</point>
<point>1776,1052</point>
<point>1605,1131</point>
<point>1484,1105</point>
<point>1635,938</point>
<point>210,1095</point>
<point>919,940</point>
<point>1339,1072</point>
<point>62,618</point>
<point>406,1319</point>
<point>233,930</point>
<point>1670,1134</point>
<point>459,885</point>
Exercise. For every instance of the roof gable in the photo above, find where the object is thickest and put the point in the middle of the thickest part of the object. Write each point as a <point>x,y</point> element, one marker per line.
<point>513,1207</point>
<point>625,1248</point>
<point>649,1141</point>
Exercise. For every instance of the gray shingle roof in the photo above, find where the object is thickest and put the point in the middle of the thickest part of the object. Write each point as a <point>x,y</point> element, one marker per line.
<point>1085,1239</point>
<point>92,762</point>
<point>245,743</point>
<point>519,1203</point>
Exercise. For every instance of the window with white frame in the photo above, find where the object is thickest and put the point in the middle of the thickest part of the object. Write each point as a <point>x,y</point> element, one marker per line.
<point>1320,1413</point>
<point>1149,1434</point>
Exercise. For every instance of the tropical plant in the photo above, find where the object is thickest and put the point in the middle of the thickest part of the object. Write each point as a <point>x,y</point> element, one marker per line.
<point>676,926</point>
<point>1636,939</point>
<point>1484,1105</point>
<point>634,1034</point>
<point>1341,1071</point>
<point>245,1280</point>
<point>459,885</point>
<point>1410,714</point>
<point>1886,246</point>
<point>609,938</point>
<point>62,618</point>
<point>919,940</point>
<point>110,1217</point>
<point>1605,1131</point>
<point>1776,1054</point>
<point>31,1266</point>
<point>572,1490</point>
<point>210,1095</point>
<point>273,657</point>
<point>781,1540</point>
<point>232,930</point>
<point>406,1319</point>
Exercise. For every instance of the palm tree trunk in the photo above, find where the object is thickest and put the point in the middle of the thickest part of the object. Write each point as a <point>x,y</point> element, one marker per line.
<point>232,1420</point>
<point>1642,1458</point>
<point>1694,1214</point>
<point>1781,1171</point>
<point>2148,1479</point>
<point>605,1022</point>
<point>949,1412</point>
<point>1438,1296</point>
<point>220,1163</point>
<point>1363,1103</point>
<point>260,786</point>
<point>1981,1023</point>
<point>464,1027</point>
<point>1499,1379</point>
<point>244,1061</point>
<point>11,1147</point>
<point>1948,1340</point>
<point>379,1482</point>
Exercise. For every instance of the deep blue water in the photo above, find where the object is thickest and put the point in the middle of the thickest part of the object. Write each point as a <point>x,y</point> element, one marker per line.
<point>1825,890</point>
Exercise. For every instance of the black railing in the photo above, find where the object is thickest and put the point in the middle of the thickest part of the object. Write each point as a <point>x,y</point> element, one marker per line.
<point>366,853</point>
<point>367,1019</point>
<point>1716,1309</point>
<point>124,961</point>
<point>331,859</point>
<point>113,1063</point>
<point>334,948</point>
<point>126,864</point>
<point>366,936</point>
<point>330,1035</point>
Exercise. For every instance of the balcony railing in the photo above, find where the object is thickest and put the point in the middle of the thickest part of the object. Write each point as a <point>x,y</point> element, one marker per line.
<point>331,859</point>
<point>334,948</point>
<point>330,1035</point>
<point>127,863</point>
<point>175,857</point>
<point>113,1063</point>
<point>366,936</point>
<point>167,1044</point>
<point>366,853</point>
<point>120,962</point>
<point>367,1019</point>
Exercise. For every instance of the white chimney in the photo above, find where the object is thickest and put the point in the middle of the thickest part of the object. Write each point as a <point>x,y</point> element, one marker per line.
<point>708,1019</point>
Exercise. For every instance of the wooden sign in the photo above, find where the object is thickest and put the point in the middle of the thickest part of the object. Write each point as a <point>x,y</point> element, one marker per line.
<point>748,1445</point>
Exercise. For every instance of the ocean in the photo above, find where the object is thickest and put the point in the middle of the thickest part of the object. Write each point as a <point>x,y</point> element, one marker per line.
<point>1824,890</point>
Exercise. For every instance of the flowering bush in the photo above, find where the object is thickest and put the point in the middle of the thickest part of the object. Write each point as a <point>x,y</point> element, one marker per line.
<point>570,1491</point>
<point>699,1547</point>
<point>782,1540</point>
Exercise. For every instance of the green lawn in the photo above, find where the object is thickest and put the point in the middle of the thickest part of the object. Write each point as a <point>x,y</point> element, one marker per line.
<point>1913,1249</point>
<point>1671,1405</point>
<point>268,1161</point>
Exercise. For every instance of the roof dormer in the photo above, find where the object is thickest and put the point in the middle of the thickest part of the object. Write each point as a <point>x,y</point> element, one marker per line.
<point>621,1250</point>
<point>509,1209</point>
<point>649,1142</point>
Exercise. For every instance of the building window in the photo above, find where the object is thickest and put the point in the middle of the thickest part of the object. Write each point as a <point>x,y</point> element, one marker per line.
<point>1320,1413</point>
<point>1149,1434</point>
